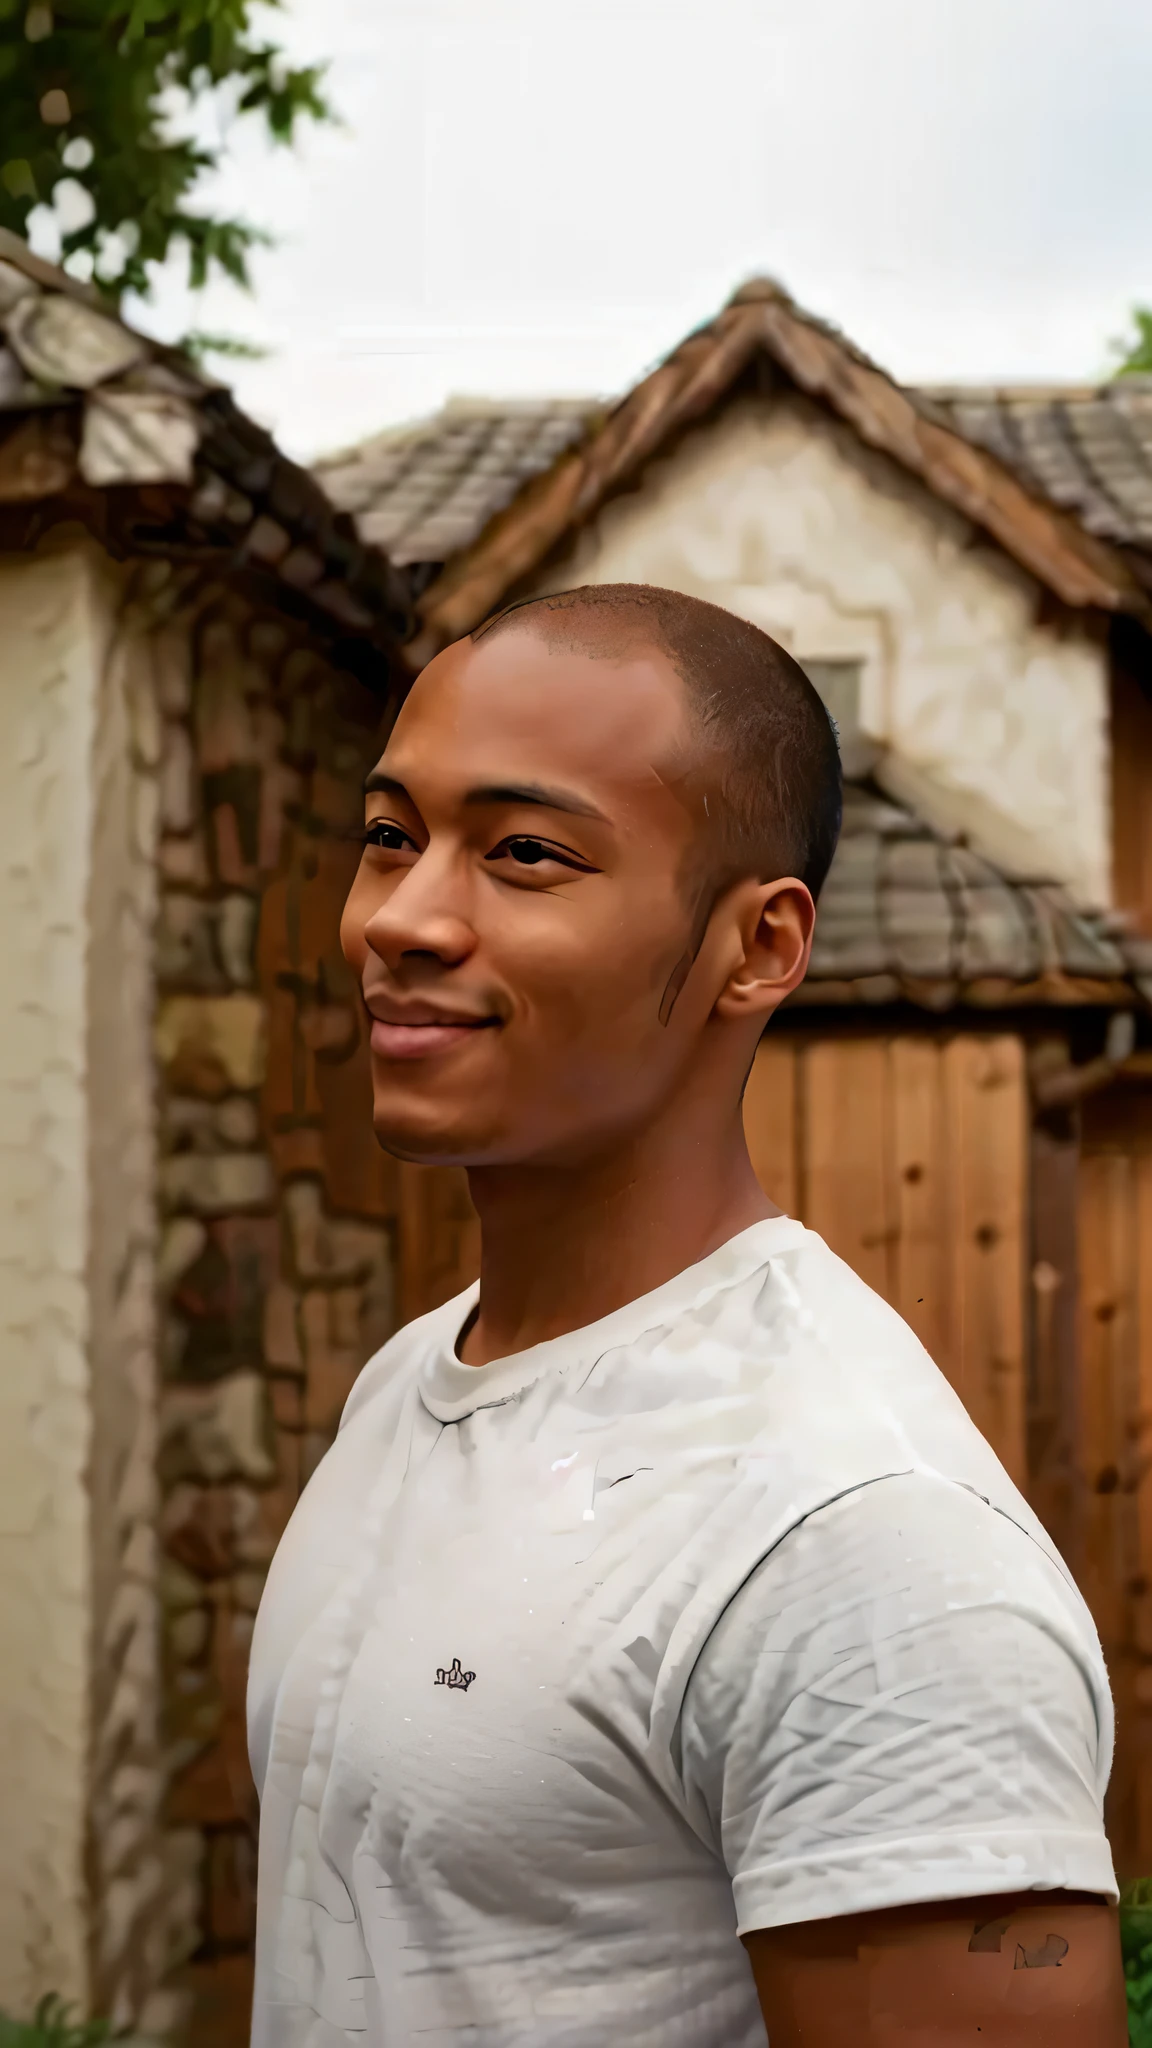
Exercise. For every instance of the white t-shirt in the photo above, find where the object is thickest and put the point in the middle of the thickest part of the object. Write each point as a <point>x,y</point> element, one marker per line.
<point>717,1614</point>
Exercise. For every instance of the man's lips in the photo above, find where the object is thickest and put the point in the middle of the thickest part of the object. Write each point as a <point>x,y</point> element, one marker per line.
<point>400,1037</point>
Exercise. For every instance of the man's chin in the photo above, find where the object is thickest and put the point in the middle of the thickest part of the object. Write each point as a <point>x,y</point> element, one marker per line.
<point>428,1134</point>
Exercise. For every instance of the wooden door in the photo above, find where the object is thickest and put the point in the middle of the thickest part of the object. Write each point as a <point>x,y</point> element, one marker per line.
<point>909,1156</point>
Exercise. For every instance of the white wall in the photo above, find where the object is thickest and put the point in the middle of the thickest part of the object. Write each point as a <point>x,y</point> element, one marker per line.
<point>993,724</point>
<point>76,1183</point>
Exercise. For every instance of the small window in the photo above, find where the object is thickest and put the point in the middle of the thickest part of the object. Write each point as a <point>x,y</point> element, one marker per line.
<point>839,683</point>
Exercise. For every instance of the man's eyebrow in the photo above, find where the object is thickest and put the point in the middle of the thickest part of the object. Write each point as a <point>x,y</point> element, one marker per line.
<point>380,783</point>
<point>534,793</point>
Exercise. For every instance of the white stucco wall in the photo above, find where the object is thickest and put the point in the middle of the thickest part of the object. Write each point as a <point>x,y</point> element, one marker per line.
<point>992,723</point>
<point>75,1280</point>
<point>51,658</point>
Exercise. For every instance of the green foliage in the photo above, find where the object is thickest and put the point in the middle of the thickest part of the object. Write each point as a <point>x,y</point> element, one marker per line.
<point>108,94</point>
<point>1136,1945</point>
<point>1136,351</point>
<point>198,345</point>
<point>52,2027</point>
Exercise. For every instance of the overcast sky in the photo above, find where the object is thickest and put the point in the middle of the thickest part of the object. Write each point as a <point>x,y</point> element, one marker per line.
<point>544,195</point>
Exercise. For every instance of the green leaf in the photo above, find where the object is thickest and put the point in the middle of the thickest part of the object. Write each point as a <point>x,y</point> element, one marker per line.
<point>1136,1947</point>
<point>16,176</point>
<point>199,345</point>
<point>1136,361</point>
<point>52,2027</point>
<point>116,61</point>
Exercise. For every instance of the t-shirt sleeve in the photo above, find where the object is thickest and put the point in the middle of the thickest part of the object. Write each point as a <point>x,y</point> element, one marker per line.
<point>905,1701</point>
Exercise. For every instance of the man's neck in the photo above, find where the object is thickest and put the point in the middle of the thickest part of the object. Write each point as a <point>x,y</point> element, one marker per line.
<point>562,1247</point>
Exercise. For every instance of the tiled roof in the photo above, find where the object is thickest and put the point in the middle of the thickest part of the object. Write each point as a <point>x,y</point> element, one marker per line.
<point>424,492</point>
<point>1088,450</point>
<point>908,915</point>
<point>100,425</point>
<point>480,496</point>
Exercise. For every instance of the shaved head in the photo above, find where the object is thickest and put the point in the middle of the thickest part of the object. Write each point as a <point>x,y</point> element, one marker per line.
<point>768,747</point>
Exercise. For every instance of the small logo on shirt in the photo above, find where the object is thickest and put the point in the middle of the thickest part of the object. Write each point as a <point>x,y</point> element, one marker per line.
<point>459,1680</point>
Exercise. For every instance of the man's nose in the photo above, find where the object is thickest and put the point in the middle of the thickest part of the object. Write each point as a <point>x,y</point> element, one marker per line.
<point>426,914</point>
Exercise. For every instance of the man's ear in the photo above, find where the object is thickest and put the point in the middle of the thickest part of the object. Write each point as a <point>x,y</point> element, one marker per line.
<point>775,921</point>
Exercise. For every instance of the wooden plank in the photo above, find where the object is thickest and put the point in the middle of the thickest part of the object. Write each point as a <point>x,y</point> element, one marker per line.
<point>1107,1341</point>
<point>1114,1445</point>
<point>1141,1583</point>
<point>1107,1347</point>
<point>770,1121</point>
<point>439,1238</point>
<point>1054,1377</point>
<point>986,1121</point>
<point>1139,1425</point>
<point>922,1272</point>
<point>845,1165</point>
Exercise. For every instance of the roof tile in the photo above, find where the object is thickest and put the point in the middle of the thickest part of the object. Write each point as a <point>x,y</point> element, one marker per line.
<point>906,913</point>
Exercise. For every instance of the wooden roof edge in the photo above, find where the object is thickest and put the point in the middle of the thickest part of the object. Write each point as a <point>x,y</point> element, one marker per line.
<point>564,497</point>
<point>1080,570</point>
<point>939,994</point>
<point>349,586</point>
<point>50,275</point>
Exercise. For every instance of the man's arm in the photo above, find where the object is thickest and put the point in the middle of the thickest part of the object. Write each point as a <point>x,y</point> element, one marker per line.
<point>1034,1970</point>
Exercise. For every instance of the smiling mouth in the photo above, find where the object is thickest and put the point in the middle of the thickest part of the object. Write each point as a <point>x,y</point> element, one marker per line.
<point>395,1041</point>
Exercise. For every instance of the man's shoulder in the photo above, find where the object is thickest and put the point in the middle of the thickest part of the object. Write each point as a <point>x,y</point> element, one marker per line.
<point>398,1362</point>
<point>834,1389</point>
<point>815,1282</point>
<point>805,1324</point>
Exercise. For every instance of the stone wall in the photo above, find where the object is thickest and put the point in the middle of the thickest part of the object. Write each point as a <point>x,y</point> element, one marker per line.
<point>199,1242</point>
<point>277,1257</point>
<point>993,719</point>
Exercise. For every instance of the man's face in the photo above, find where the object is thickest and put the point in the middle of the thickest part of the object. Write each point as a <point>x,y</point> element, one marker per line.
<point>524,905</point>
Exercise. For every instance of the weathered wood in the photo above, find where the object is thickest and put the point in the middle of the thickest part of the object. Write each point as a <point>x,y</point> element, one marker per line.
<point>1108,1342</point>
<point>770,1121</point>
<point>985,1112</point>
<point>1115,1438</point>
<point>922,1267</point>
<point>1054,1377</point>
<point>846,1177</point>
<point>1139,1731</point>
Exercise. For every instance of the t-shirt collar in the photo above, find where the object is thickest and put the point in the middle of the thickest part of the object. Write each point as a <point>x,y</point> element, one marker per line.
<point>451,1390</point>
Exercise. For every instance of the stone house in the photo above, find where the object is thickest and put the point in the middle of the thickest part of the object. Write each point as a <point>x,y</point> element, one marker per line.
<point>201,1240</point>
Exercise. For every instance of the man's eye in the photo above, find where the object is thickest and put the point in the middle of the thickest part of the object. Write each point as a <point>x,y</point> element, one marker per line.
<point>389,838</point>
<point>528,852</point>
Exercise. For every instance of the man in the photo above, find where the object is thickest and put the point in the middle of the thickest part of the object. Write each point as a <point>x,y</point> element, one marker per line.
<point>659,1656</point>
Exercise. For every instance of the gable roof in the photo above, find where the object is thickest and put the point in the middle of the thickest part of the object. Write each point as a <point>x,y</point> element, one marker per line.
<point>153,456</point>
<point>529,476</point>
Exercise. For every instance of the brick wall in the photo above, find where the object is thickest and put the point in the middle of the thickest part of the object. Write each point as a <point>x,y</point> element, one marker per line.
<point>279,1210</point>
